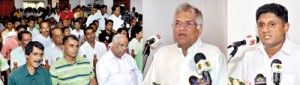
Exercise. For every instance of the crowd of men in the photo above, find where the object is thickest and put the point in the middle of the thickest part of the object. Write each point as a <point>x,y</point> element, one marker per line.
<point>48,46</point>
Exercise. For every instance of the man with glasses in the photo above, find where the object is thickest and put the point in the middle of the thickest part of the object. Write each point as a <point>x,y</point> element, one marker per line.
<point>174,64</point>
<point>117,67</point>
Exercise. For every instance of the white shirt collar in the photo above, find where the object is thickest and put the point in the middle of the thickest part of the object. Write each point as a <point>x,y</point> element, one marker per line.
<point>285,48</point>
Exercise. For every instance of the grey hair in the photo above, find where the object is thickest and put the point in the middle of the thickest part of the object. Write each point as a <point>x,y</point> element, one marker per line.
<point>185,7</point>
<point>117,37</point>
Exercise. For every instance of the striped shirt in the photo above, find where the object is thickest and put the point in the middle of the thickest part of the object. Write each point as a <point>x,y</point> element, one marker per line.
<point>79,73</point>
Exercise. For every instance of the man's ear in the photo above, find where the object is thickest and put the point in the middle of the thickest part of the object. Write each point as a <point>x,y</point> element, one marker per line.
<point>286,27</point>
<point>199,28</point>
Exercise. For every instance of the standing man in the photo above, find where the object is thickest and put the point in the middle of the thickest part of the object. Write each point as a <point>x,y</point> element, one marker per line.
<point>55,50</point>
<point>272,25</point>
<point>91,47</point>
<point>117,67</point>
<point>116,17</point>
<point>96,15</point>
<point>44,37</point>
<point>72,69</point>
<point>32,73</point>
<point>18,54</point>
<point>174,64</point>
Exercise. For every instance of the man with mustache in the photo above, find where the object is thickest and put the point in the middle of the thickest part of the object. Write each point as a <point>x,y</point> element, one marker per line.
<point>44,37</point>
<point>72,69</point>
<point>32,73</point>
<point>174,64</point>
<point>272,26</point>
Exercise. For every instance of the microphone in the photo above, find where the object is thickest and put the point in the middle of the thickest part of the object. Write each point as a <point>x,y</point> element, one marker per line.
<point>260,80</point>
<point>154,41</point>
<point>276,66</point>
<point>249,40</point>
<point>193,80</point>
<point>203,67</point>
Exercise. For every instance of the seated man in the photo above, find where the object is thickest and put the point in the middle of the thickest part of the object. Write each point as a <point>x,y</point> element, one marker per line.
<point>117,67</point>
<point>32,73</point>
<point>72,69</point>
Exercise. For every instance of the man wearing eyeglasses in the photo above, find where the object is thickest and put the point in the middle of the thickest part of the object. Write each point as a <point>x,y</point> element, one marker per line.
<point>174,64</point>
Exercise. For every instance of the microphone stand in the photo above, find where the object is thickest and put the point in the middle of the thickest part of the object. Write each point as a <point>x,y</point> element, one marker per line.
<point>146,52</point>
<point>233,52</point>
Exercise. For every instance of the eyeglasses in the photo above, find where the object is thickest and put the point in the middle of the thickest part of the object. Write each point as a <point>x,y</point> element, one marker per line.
<point>188,24</point>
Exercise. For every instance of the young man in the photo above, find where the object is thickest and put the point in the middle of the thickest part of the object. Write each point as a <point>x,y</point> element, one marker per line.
<point>272,25</point>
<point>72,69</point>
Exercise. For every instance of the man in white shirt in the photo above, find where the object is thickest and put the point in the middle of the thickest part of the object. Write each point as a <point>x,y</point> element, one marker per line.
<point>116,67</point>
<point>91,47</point>
<point>272,25</point>
<point>104,11</point>
<point>96,15</point>
<point>55,50</point>
<point>174,64</point>
<point>116,17</point>
<point>18,54</point>
<point>44,37</point>
<point>77,31</point>
<point>31,28</point>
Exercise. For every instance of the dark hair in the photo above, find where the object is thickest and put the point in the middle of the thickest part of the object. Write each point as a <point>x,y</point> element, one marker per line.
<point>20,26</point>
<point>109,20</point>
<point>31,44</point>
<point>103,6</point>
<point>123,29</point>
<point>16,20</point>
<point>135,30</point>
<point>95,21</point>
<point>277,9</point>
<point>64,28</point>
<point>21,33</point>
<point>87,28</point>
<point>97,6</point>
<point>114,7</point>
<point>69,36</point>
<point>51,33</point>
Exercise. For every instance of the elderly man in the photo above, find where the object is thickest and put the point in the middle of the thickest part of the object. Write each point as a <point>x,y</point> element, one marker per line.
<point>55,50</point>
<point>174,64</point>
<point>117,67</point>
<point>272,25</point>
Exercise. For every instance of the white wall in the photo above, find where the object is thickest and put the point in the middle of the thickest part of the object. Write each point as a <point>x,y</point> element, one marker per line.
<point>19,3</point>
<point>138,5</point>
<point>242,21</point>
<point>158,17</point>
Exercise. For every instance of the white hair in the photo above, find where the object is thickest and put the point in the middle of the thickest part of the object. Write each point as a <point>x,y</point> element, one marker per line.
<point>185,7</point>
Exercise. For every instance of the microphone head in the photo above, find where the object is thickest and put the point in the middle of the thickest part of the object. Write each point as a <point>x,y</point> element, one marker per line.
<point>260,79</point>
<point>193,80</point>
<point>276,66</point>
<point>276,61</point>
<point>199,56</point>
<point>151,41</point>
<point>251,40</point>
